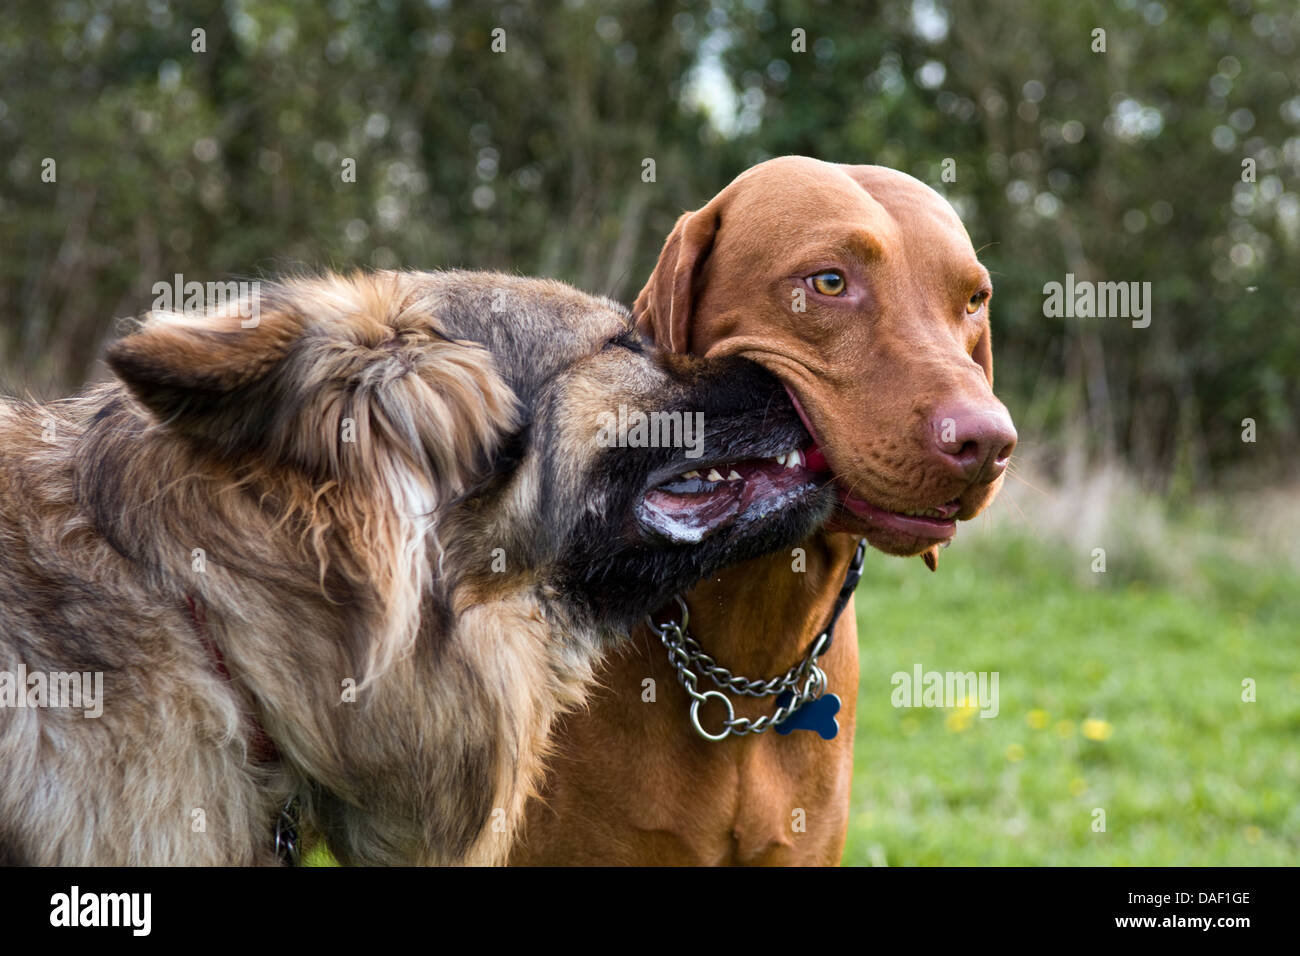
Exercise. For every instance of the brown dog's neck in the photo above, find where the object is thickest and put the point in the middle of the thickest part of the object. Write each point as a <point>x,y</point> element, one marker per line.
<point>757,618</point>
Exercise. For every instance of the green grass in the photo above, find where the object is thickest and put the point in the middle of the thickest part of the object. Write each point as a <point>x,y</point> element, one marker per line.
<point>1187,773</point>
<point>1152,654</point>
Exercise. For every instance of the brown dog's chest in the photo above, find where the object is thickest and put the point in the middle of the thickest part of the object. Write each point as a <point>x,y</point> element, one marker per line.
<point>631,783</point>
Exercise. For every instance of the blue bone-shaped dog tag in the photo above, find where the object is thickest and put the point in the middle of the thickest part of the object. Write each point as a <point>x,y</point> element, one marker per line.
<point>818,715</point>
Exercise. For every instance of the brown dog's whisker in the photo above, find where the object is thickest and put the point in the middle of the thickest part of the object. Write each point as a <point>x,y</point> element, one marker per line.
<point>1028,484</point>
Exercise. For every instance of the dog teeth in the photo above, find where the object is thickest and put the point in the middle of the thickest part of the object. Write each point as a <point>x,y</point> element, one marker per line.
<point>733,475</point>
<point>713,475</point>
<point>791,459</point>
<point>690,474</point>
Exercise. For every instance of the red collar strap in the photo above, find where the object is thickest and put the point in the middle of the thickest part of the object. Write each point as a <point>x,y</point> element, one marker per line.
<point>261,749</point>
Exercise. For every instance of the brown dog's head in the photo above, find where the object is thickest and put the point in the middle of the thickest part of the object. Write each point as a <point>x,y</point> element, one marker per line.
<point>859,288</point>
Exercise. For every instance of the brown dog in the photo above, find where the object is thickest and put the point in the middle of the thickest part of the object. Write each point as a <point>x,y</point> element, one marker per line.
<point>860,289</point>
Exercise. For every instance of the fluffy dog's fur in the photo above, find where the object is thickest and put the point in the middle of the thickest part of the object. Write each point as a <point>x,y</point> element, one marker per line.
<point>377,529</point>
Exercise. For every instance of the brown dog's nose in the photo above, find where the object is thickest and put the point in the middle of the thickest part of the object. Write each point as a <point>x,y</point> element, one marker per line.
<point>977,440</point>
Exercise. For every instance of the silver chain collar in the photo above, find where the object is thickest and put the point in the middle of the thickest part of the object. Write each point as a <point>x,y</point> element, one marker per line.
<point>802,684</point>
<point>805,680</point>
<point>287,848</point>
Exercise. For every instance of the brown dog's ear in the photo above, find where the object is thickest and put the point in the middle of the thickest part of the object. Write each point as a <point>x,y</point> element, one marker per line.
<point>202,375</point>
<point>663,308</point>
<point>983,353</point>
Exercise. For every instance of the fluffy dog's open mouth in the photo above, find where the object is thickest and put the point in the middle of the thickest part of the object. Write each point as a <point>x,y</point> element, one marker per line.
<point>716,495</point>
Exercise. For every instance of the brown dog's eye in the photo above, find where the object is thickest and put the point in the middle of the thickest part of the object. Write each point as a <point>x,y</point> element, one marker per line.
<point>975,302</point>
<point>829,283</point>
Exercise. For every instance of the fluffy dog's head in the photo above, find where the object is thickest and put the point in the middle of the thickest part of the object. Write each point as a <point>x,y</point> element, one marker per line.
<point>429,432</point>
<point>380,522</point>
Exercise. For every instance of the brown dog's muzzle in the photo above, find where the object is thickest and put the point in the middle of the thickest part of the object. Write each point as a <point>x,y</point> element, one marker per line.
<point>909,466</point>
<point>972,441</point>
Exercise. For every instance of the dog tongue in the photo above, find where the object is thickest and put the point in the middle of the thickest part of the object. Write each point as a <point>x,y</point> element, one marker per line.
<point>814,460</point>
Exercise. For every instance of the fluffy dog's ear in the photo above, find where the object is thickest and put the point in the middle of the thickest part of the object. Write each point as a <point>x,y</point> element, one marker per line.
<point>333,405</point>
<point>663,308</point>
<point>202,374</point>
<point>983,353</point>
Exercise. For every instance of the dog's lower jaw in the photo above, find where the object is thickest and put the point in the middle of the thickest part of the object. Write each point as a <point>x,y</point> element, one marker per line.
<point>617,589</point>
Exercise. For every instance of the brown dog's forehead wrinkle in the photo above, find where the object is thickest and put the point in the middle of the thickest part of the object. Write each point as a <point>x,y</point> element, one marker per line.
<point>807,202</point>
<point>893,225</point>
<point>848,221</point>
<point>916,260</point>
<point>796,195</point>
<point>935,239</point>
<point>898,191</point>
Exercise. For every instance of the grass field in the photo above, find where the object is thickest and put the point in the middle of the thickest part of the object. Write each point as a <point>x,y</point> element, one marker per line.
<point>1119,690</point>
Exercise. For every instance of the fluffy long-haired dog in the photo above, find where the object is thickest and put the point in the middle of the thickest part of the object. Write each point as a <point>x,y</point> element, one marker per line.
<point>359,554</point>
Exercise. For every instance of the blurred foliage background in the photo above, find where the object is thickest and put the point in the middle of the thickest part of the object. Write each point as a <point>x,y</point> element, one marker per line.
<point>1124,165</point>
